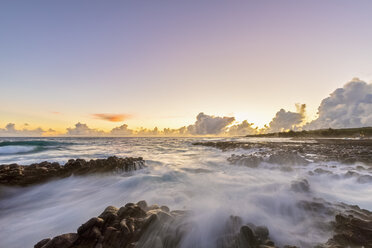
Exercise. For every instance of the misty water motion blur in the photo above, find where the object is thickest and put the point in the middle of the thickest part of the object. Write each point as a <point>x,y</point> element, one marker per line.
<point>179,175</point>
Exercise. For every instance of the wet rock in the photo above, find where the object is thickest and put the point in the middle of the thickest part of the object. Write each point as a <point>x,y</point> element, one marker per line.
<point>21,175</point>
<point>142,204</point>
<point>300,186</point>
<point>322,171</point>
<point>247,237</point>
<point>262,232</point>
<point>133,226</point>
<point>152,207</point>
<point>131,211</point>
<point>351,232</point>
<point>287,158</point>
<point>128,226</point>
<point>246,160</point>
<point>236,234</point>
<point>41,243</point>
<point>318,206</point>
<point>61,241</point>
<point>345,151</point>
<point>91,228</point>
<point>165,209</point>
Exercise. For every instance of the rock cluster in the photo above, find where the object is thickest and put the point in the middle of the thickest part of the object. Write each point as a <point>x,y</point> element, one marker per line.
<point>133,225</point>
<point>23,175</point>
<point>281,158</point>
<point>140,225</point>
<point>236,234</point>
<point>301,185</point>
<point>346,151</point>
<point>351,231</point>
<point>251,160</point>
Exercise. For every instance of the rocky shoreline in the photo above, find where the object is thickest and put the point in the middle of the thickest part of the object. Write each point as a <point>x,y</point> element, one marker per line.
<point>24,175</point>
<point>345,151</point>
<point>140,225</point>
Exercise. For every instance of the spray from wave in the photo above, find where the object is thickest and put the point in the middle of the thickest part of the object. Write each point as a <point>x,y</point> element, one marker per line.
<point>186,177</point>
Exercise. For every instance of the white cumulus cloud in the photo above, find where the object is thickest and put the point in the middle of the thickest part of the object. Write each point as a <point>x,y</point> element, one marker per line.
<point>209,124</point>
<point>10,130</point>
<point>287,120</point>
<point>82,129</point>
<point>243,128</point>
<point>350,106</point>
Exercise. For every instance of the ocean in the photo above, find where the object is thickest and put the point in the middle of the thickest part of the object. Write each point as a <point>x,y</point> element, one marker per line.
<point>179,175</point>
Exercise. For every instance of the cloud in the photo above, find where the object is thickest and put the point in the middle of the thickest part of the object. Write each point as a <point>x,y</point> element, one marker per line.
<point>11,131</point>
<point>209,124</point>
<point>287,120</point>
<point>111,117</point>
<point>148,132</point>
<point>122,130</point>
<point>350,106</point>
<point>243,128</point>
<point>82,129</point>
<point>175,132</point>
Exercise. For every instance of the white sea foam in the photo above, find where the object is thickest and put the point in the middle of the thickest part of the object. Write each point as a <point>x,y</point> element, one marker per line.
<point>180,176</point>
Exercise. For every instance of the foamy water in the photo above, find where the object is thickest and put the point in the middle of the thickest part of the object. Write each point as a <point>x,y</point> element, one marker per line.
<point>180,176</point>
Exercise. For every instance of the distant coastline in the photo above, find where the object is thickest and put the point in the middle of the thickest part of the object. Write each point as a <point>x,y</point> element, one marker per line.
<point>362,132</point>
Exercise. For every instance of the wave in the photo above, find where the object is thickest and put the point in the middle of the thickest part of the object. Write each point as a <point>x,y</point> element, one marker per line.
<point>28,146</point>
<point>6,150</point>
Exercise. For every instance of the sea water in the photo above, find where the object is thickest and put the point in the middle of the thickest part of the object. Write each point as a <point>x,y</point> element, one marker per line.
<point>179,175</point>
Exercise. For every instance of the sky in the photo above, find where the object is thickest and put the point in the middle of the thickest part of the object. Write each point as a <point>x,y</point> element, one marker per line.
<point>162,63</point>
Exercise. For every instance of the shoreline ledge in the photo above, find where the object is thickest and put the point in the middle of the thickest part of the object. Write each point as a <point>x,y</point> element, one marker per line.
<point>25,175</point>
<point>344,151</point>
<point>140,225</point>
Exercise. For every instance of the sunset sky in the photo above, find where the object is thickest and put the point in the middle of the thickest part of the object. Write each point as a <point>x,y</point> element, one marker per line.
<point>146,64</point>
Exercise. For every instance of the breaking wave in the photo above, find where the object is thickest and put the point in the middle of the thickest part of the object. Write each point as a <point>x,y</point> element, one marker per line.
<point>30,146</point>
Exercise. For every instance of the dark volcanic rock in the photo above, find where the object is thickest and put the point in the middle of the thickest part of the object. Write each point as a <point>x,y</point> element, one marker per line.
<point>300,186</point>
<point>287,158</point>
<point>346,151</point>
<point>140,225</point>
<point>279,158</point>
<point>351,231</point>
<point>133,225</point>
<point>61,241</point>
<point>21,175</point>
<point>238,235</point>
<point>246,160</point>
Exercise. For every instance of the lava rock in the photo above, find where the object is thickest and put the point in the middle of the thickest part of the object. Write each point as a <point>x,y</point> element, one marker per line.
<point>300,186</point>
<point>21,175</point>
<point>126,227</point>
<point>351,231</point>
